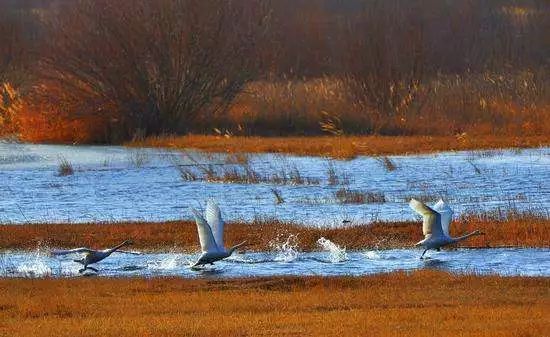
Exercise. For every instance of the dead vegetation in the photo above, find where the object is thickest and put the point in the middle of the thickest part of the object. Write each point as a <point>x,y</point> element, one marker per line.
<point>346,147</point>
<point>285,306</point>
<point>237,169</point>
<point>348,196</point>
<point>527,230</point>
<point>64,168</point>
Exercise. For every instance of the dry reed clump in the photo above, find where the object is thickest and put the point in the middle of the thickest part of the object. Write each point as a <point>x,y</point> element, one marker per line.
<point>278,196</point>
<point>345,147</point>
<point>244,173</point>
<point>284,306</point>
<point>388,164</point>
<point>65,168</point>
<point>525,231</point>
<point>348,196</point>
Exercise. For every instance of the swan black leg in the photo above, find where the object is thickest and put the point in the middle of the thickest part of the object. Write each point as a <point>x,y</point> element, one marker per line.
<point>422,256</point>
<point>91,268</point>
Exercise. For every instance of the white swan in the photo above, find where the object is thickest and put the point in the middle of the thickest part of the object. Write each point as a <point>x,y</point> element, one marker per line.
<point>436,225</point>
<point>211,235</point>
<point>93,256</point>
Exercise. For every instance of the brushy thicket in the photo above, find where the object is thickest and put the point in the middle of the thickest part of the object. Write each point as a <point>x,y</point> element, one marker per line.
<point>112,70</point>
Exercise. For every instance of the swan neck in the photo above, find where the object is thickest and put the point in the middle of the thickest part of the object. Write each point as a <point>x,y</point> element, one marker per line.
<point>117,247</point>
<point>460,238</point>
<point>232,249</point>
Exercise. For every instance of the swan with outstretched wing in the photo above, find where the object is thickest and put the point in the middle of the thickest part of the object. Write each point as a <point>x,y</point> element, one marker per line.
<point>435,226</point>
<point>210,230</point>
<point>92,256</point>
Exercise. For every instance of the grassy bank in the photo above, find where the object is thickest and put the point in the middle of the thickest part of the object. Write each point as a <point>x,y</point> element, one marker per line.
<point>344,147</point>
<point>527,231</point>
<point>427,303</point>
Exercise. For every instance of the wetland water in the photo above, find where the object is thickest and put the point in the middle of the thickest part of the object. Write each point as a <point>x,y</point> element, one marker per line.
<point>115,183</point>
<point>335,262</point>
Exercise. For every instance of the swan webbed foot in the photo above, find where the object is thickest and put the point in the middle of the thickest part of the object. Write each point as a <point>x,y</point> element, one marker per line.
<point>91,268</point>
<point>82,270</point>
<point>422,256</point>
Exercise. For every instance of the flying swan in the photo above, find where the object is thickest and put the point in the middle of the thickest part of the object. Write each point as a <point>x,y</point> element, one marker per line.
<point>211,235</point>
<point>436,225</point>
<point>93,256</point>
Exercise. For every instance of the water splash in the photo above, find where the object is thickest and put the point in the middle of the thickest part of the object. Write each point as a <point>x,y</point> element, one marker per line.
<point>36,265</point>
<point>286,251</point>
<point>170,261</point>
<point>372,255</point>
<point>337,253</point>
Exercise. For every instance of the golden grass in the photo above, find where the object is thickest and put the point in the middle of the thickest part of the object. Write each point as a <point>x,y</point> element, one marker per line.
<point>529,231</point>
<point>343,147</point>
<point>423,303</point>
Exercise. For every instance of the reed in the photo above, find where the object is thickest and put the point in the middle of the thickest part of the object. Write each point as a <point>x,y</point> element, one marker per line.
<point>243,173</point>
<point>527,230</point>
<point>348,196</point>
<point>345,147</point>
<point>64,168</point>
<point>388,163</point>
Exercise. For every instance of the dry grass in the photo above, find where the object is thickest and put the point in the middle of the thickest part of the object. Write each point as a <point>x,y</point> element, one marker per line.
<point>344,147</point>
<point>424,303</point>
<point>243,173</point>
<point>348,196</point>
<point>65,168</point>
<point>525,231</point>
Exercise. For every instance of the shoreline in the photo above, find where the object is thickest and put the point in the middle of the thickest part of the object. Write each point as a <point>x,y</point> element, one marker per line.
<point>342,147</point>
<point>526,231</point>
<point>281,306</point>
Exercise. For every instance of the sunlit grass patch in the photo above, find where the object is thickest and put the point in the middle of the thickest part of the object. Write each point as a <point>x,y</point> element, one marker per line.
<point>285,306</point>
<point>520,230</point>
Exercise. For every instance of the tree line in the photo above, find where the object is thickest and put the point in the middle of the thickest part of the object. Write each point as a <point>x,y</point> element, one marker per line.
<point>151,67</point>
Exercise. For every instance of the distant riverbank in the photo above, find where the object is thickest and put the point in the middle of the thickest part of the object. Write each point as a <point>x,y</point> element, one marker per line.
<point>345,147</point>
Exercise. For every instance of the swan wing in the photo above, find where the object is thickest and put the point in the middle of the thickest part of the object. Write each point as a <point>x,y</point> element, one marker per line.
<point>215,221</point>
<point>71,251</point>
<point>446,215</point>
<point>207,241</point>
<point>432,219</point>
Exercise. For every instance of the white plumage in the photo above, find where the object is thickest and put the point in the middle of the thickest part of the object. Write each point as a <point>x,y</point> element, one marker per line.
<point>435,226</point>
<point>210,232</point>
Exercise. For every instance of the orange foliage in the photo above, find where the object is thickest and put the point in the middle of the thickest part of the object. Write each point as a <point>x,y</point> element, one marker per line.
<point>42,122</point>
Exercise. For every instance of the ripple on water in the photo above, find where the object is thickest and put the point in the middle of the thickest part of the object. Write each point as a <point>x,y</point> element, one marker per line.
<point>107,187</point>
<point>507,262</point>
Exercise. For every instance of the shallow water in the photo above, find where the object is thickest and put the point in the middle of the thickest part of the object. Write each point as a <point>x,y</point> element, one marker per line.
<point>501,261</point>
<point>115,183</point>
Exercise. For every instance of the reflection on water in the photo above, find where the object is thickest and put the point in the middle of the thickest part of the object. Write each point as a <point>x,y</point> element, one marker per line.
<point>501,261</point>
<point>114,183</point>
